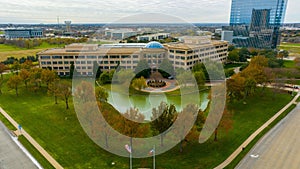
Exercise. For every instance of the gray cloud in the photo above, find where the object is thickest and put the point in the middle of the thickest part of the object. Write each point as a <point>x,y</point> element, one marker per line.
<point>46,11</point>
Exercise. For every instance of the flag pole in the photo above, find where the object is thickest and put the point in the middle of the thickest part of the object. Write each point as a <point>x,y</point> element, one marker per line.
<point>130,160</point>
<point>154,157</point>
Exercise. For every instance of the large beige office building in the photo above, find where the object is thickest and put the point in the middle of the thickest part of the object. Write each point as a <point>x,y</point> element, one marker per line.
<point>181,54</point>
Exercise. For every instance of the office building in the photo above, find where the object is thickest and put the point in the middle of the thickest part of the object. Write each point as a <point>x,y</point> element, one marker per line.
<point>127,55</point>
<point>15,33</point>
<point>151,37</point>
<point>256,23</point>
<point>227,36</point>
<point>119,34</point>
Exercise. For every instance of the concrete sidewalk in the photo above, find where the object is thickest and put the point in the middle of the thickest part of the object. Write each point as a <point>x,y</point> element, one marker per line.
<point>51,160</point>
<point>11,155</point>
<point>240,148</point>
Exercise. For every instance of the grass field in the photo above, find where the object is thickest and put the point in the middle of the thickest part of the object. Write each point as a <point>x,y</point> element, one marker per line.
<point>289,64</point>
<point>293,48</point>
<point>8,51</point>
<point>232,65</point>
<point>59,132</point>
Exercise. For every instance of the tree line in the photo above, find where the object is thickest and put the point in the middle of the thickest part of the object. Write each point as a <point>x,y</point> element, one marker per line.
<point>32,43</point>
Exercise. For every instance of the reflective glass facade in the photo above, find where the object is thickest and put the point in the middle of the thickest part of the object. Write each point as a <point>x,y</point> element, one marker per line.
<point>241,10</point>
<point>256,23</point>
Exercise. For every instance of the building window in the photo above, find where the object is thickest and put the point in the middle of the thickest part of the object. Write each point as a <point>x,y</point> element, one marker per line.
<point>45,57</point>
<point>56,57</point>
<point>91,57</point>
<point>180,51</point>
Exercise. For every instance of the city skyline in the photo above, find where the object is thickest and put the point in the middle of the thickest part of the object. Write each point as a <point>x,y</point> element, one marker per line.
<point>34,12</point>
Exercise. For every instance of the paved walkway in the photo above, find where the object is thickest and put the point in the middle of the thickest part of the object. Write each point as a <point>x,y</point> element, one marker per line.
<point>238,150</point>
<point>279,148</point>
<point>11,155</point>
<point>51,160</point>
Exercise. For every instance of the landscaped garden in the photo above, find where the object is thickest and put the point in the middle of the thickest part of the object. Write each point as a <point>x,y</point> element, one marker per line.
<point>60,133</point>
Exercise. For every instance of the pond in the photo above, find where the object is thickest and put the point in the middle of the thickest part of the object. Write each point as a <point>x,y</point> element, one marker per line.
<point>145,103</point>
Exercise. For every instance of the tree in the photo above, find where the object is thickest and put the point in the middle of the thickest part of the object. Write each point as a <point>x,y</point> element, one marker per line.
<point>233,56</point>
<point>162,119</point>
<point>25,76</point>
<point>36,78</point>
<point>200,78</point>
<point>14,82</point>
<point>15,67</point>
<point>250,86</point>
<point>26,65</point>
<point>166,68</point>
<point>2,69</point>
<point>104,78</point>
<point>96,69</point>
<point>244,54</point>
<point>231,48</point>
<point>131,125</point>
<point>142,69</point>
<point>124,76</point>
<point>189,113</point>
<point>259,61</point>
<point>48,76</point>
<point>225,124</point>
<point>236,87</point>
<point>53,89</point>
<point>139,83</point>
<point>229,72</point>
<point>185,78</point>
<point>72,69</point>
<point>283,54</point>
<point>65,92</point>
<point>200,120</point>
<point>196,68</point>
<point>101,94</point>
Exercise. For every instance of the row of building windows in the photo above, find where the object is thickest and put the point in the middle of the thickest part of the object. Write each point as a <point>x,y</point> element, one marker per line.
<point>90,57</point>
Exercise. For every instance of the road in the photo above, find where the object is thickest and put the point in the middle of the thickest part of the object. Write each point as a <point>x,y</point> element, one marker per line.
<point>279,148</point>
<point>11,156</point>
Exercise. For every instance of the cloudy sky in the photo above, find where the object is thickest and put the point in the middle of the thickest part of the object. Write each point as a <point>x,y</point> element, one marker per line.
<point>107,11</point>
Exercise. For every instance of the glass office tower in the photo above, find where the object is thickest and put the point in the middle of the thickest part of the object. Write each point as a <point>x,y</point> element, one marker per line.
<point>248,20</point>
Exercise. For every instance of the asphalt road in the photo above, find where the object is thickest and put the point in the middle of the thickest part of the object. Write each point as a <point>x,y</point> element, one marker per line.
<point>279,148</point>
<point>11,156</point>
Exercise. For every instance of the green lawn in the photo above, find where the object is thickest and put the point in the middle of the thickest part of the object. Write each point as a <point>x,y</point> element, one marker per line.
<point>13,51</point>
<point>59,132</point>
<point>293,48</point>
<point>289,64</point>
<point>232,65</point>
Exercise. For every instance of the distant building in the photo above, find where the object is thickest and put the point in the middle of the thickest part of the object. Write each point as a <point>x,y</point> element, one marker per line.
<point>15,33</point>
<point>256,23</point>
<point>150,37</point>
<point>119,34</point>
<point>227,36</point>
<point>127,56</point>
